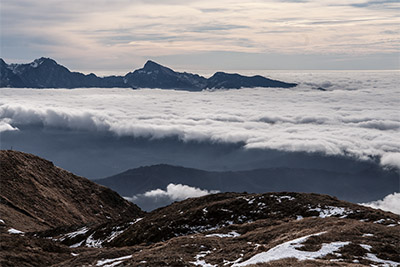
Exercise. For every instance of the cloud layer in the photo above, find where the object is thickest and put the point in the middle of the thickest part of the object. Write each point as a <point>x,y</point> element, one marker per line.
<point>389,203</point>
<point>358,116</point>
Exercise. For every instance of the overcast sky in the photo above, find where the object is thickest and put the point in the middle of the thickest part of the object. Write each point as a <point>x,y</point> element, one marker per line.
<point>105,36</point>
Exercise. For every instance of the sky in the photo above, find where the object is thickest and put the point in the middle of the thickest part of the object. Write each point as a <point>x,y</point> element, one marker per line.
<point>115,37</point>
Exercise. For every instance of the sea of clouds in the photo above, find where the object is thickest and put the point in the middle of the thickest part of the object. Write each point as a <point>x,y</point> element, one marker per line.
<point>358,115</point>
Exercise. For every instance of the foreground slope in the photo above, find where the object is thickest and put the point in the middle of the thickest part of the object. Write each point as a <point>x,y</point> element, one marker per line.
<point>233,229</point>
<point>36,195</point>
<point>227,229</point>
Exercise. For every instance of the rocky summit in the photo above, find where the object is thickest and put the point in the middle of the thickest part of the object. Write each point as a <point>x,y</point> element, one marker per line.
<point>47,73</point>
<point>50,217</point>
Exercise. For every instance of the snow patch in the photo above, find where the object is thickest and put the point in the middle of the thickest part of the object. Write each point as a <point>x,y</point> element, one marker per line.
<point>288,250</point>
<point>226,262</point>
<point>76,245</point>
<point>330,211</point>
<point>14,231</point>
<point>93,243</point>
<point>230,234</point>
<point>374,258</point>
<point>80,231</point>
<point>280,198</point>
<point>201,262</point>
<point>367,235</point>
<point>112,262</point>
<point>366,247</point>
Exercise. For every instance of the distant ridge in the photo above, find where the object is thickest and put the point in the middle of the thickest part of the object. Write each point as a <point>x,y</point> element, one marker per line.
<point>47,73</point>
<point>357,186</point>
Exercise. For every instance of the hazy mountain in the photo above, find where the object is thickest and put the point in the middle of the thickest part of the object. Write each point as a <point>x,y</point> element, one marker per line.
<point>358,186</point>
<point>88,225</point>
<point>47,73</point>
<point>153,75</point>
<point>228,80</point>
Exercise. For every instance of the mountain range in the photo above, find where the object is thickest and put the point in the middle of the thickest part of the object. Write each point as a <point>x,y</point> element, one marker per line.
<point>47,73</point>
<point>50,217</point>
<point>355,186</point>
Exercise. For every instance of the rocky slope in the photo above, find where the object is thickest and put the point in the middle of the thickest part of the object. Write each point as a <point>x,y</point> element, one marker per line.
<point>36,195</point>
<point>47,73</point>
<point>227,229</point>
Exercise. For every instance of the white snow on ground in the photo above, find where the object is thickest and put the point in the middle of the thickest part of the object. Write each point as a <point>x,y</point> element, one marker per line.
<point>230,234</point>
<point>81,231</point>
<point>93,243</point>
<point>367,247</point>
<point>330,211</point>
<point>97,243</point>
<point>201,262</point>
<point>226,262</point>
<point>386,263</point>
<point>280,198</point>
<point>365,235</point>
<point>77,244</point>
<point>112,262</point>
<point>14,231</point>
<point>288,250</point>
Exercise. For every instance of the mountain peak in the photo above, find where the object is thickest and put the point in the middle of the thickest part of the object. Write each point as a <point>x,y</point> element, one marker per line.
<point>2,62</point>
<point>151,65</point>
<point>43,60</point>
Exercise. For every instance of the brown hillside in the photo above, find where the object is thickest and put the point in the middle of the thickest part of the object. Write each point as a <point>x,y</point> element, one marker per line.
<point>36,195</point>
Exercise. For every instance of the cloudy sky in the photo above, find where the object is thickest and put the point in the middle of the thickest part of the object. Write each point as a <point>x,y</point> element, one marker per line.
<point>117,36</point>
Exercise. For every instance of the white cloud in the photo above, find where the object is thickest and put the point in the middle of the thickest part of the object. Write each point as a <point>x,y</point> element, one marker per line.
<point>391,159</point>
<point>174,192</point>
<point>361,121</point>
<point>389,203</point>
<point>178,192</point>
<point>5,126</point>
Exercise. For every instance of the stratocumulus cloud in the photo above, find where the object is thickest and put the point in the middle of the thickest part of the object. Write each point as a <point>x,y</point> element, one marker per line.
<point>389,203</point>
<point>361,121</point>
